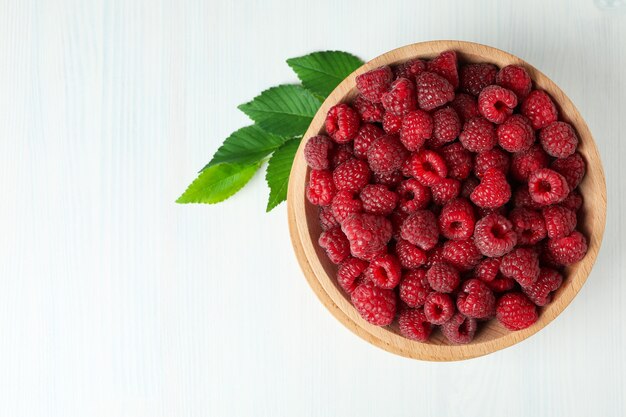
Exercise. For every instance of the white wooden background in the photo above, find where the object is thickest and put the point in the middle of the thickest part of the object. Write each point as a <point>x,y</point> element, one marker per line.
<point>114,301</point>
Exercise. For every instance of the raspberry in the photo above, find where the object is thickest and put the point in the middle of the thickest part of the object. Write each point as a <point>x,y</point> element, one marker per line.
<point>414,288</point>
<point>443,277</point>
<point>400,99</point>
<point>516,134</point>
<point>417,126</point>
<point>427,166</point>
<point>433,91</point>
<point>496,104</point>
<point>478,135</point>
<point>462,254</point>
<point>341,154</point>
<point>539,108</point>
<point>516,79</point>
<point>377,199</point>
<point>488,269</point>
<point>560,221</point>
<point>574,201</point>
<point>414,325</point>
<point>558,139</point>
<point>410,256</point>
<point>352,175</point>
<point>320,189</point>
<point>327,220</point>
<point>368,111</point>
<point>336,245</point>
<point>345,203</point>
<point>438,308</point>
<point>466,106</point>
<point>384,271</point>
<point>368,133</point>
<point>456,221</point>
<point>459,329</point>
<point>446,127</point>
<point>368,234</point>
<point>409,69</point>
<point>350,272</point>
<point>445,65</point>
<point>494,235</point>
<point>540,292</point>
<point>572,168</point>
<point>502,284</point>
<point>521,264</point>
<point>515,311</point>
<point>493,191</point>
<point>342,123</point>
<point>391,180</point>
<point>386,154</point>
<point>458,160</point>
<point>391,123</point>
<point>445,190</point>
<point>493,158</point>
<point>547,187</point>
<point>317,151</point>
<point>475,77</point>
<point>413,195</point>
<point>521,198</point>
<point>376,305</point>
<point>528,224</point>
<point>420,229</point>
<point>468,187</point>
<point>476,300</point>
<point>373,84</point>
<point>435,255</point>
<point>569,249</point>
<point>525,163</point>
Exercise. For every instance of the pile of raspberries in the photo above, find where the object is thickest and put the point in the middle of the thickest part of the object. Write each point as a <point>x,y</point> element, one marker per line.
<point>448,196</point>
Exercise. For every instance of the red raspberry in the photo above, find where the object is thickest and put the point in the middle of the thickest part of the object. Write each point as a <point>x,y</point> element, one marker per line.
<point>433,91</point>
<point>427,166</point>
<point>420,229</point>
<point>572,168</point>
<point>547,187</point>
<point>494,235</point>
<point>400,99</point>
<point>377,199</point>
<point>352,175</point>
<point>386,154</point>
<point>317,151</point>
<point>391,180</point>
<point>540,109</point>
<point>443,277</point>
<point>350,273</point>
<point>462,254</point>
<point>391,123</point>
<point>496,104</point>
<point>459,329</point>
<point>574,201</point>
<point>413,196</point>
<point>327,220</point>
<point>438,308</point>
<point>560,221</point>
<point>336,245</point>
<point>526,162</point>
<point>368,111</point>
<point>466,107</point>
<point>434,256</point>
<point>446,127</point>
<point>445,190</point>
<point>341,154</point>
<point>476,300</point>
<point>368,234</point>
<point>384,271</point>
<point>515,311</point>
<point>414,325</point>
<point>478,135</point>
<point>410,256</point>
<point>516,134</point>
<point>320,189</point>
<point>493,191</point>
<point>409,69</point>
<point>475,77</point>
<point>368,133</point>
<point>376,305</point>
<point>456,221</point>
<point>569,249</point>
<point>502,284</point>
<point>414,288</point>
<point>540,292</point>
<point>521,198</point>
<point>528,224</point>
<point>345,203</point>
<point>468,187</point>
<point>488,271</point>
<point>521,264</point>
<point>559,139</point>
<point>458,160</point>
<point>445,65</point>
<point>516,79</point>
<point>342,123</point>
<point>374,83</point>
<point>493,158</point>
<point>417,126</point>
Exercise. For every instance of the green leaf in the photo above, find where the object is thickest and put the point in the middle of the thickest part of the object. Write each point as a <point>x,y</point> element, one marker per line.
<point>246,146</point>
<point>286,110</point>
<point>217,183</point>
<point>321,72</point>
<point>278,169</point>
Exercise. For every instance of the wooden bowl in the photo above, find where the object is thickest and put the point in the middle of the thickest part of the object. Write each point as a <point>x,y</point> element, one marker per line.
<point>491,336</point>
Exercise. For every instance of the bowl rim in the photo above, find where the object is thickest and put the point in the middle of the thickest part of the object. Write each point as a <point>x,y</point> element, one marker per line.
<point>308,253</point>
